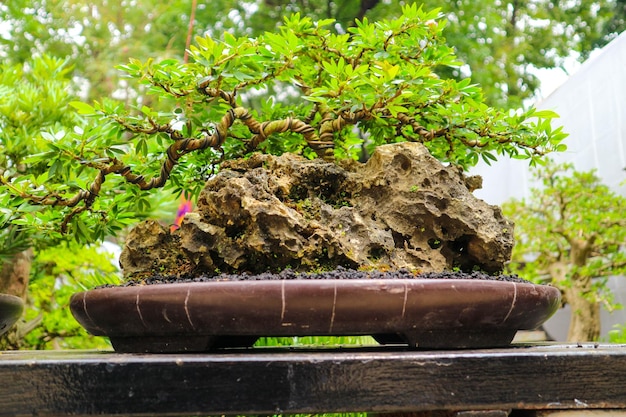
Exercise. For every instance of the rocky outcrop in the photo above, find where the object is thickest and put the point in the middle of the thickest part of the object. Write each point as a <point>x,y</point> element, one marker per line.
<point>401,209</point>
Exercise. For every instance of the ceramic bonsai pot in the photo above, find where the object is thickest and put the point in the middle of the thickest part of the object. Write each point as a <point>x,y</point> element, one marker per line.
<point>420,313</point>
<point>11,308</point>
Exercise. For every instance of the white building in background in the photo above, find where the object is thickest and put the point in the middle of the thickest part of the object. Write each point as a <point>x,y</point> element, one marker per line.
<point>592,106</point>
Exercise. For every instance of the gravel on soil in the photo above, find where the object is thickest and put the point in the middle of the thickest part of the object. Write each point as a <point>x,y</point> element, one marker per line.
<point>338,273</point>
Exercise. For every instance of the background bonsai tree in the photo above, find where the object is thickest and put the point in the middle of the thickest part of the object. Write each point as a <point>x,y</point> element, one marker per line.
<point>571,233</point>
<point>304,89</point>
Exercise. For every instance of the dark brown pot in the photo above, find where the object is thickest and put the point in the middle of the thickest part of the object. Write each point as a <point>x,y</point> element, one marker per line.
<point>11,308</point>
<point>423,313</point>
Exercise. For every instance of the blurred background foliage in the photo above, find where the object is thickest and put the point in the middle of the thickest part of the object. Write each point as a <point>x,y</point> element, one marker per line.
<point>502,41</point>
<point>59,272</point>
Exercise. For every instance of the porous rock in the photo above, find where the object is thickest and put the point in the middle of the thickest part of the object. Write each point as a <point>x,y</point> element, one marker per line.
<point>400,209</point>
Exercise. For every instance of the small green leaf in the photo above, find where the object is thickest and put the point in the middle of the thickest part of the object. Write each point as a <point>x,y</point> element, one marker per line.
<point>546,114</point>
<point>394,109</point>
<point>82,108</point>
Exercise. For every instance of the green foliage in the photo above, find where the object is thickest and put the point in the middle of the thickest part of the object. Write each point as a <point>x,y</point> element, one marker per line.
<point>501,41</point>
<point>316,341</point>
<point>617,334</point>
<point>34,101</point>
<point>504,42</point>
<point>46,153</point>
<point>59,272</point>
<point>95,34</point>
<point>379,81</point>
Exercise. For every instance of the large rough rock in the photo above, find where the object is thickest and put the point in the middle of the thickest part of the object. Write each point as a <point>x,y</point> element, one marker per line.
<point>401,209</point>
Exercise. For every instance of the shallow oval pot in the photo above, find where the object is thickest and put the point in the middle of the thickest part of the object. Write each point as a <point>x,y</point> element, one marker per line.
<point>11,308</point>
<point>423,313</point>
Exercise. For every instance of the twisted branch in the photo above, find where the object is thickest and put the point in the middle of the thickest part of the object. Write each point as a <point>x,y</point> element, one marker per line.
<point>420,130</point>
<point>182,146</point>
<point>319,140</point>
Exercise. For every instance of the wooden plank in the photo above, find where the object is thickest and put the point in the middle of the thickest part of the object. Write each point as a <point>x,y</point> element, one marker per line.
<point>265,381</point>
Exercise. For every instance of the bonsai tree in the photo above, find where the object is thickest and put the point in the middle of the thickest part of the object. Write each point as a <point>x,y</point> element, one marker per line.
<point>581,243</point>
<point>303,90</point>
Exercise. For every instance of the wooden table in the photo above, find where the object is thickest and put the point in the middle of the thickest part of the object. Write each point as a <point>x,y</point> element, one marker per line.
<point>489,382</point>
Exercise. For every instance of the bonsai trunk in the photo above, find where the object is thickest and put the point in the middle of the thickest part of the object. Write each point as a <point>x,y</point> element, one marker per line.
<point>14,274</point>
<point>585,322</point>
<point>579,294</point>
<point>14,277</point>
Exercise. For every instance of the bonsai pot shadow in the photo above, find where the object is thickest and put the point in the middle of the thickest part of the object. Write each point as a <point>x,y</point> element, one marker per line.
<point>419,313</point>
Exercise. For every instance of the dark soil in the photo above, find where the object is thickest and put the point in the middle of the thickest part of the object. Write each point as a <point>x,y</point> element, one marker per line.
<point>339,273</point>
